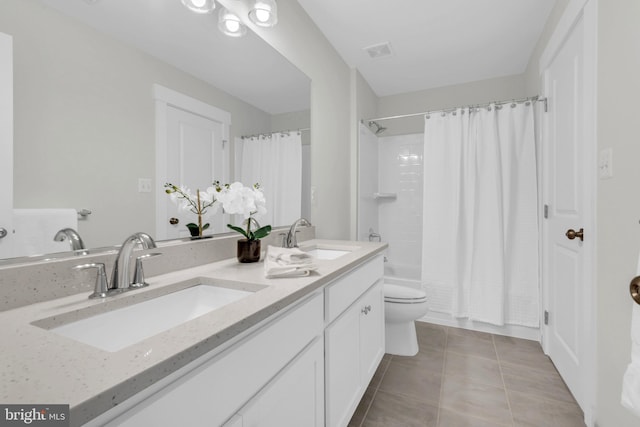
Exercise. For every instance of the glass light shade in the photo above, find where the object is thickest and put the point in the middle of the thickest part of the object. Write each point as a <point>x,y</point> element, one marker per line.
<point>230,24</point>
<point>200,6</point>
<point>264,13</point>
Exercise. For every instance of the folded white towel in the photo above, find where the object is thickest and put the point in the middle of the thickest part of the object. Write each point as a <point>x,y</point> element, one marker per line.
<point>287,262</point>
<point>631,378</point>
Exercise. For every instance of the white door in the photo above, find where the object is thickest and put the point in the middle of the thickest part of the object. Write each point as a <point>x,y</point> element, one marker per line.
<point>6,146</point>
<point>195,157</point>
<point>567,160</point>
<point>191,151</point>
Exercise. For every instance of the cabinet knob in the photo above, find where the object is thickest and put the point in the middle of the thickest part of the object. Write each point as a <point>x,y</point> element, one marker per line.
<point>366,309</point>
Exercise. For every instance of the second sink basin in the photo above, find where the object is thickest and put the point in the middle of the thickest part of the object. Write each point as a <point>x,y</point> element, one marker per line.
<point>122,327</point>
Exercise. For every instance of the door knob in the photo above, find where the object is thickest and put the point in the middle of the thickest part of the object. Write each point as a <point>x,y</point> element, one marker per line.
<point>634,289</point>
<point>3,232</point>
<point>173,221</point>
<point>572,234</point>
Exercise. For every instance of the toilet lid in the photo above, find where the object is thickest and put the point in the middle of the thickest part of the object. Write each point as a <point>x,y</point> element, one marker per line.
<point>404,294</point>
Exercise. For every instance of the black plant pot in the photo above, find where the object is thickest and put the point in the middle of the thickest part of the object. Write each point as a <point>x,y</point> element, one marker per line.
<point>248,250</point>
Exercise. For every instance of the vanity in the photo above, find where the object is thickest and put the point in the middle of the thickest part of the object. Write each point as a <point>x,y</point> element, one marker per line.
<point>297,351</point>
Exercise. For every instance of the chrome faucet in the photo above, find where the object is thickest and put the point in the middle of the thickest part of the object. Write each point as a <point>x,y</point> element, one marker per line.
<point>72,235</point>
<point>120,278</point>
<point>290,240</point>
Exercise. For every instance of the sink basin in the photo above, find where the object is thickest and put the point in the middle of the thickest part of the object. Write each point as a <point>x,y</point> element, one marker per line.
<point>122,327</point>
<point>320,253</point>
<point>328,251</point>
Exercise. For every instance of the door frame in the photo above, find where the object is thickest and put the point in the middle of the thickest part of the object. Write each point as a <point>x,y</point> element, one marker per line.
<point>165,97</point>
<point>587,10</point>
<point>6,143</point>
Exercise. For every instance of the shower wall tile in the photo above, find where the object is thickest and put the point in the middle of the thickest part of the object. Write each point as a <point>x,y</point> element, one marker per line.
<point>400,220</point>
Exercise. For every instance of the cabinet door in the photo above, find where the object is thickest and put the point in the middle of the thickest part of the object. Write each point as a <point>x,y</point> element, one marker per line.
<point>295,398</point>
<point>371,332</point>
<point>342,349</point>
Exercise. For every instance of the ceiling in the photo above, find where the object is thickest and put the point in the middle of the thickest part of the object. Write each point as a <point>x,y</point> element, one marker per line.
<point>434,43</point>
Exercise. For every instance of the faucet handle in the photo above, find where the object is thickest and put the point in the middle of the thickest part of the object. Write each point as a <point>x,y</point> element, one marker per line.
<point>101,287</point>
<point>138,274</point>
<point>284,239</point>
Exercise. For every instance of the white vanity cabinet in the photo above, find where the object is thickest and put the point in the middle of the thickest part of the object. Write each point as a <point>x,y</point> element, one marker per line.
<point>294,398</point>
<point>307,366</point>
<point>278,362</point>
<point>354,339</point>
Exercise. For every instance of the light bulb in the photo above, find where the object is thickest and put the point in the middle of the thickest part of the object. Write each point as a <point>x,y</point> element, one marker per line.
<point>232,26</point>
<point>263,15</point>
<point>200,6</point>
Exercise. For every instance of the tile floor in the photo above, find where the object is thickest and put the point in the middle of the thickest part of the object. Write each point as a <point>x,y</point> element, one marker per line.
<point>463,378</point>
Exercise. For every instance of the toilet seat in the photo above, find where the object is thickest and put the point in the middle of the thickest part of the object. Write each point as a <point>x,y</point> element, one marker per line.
<point>403,295</point>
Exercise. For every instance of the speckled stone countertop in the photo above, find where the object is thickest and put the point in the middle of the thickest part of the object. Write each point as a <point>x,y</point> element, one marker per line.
<point>38,366</point>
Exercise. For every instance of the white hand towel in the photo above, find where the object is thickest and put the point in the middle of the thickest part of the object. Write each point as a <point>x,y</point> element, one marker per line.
<point>287,262</point>
<point>631,378</point>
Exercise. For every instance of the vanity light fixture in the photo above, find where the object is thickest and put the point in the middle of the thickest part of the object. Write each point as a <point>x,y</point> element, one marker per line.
<point>229,23</point>
<point>264,13</point>
<point>200,6</point>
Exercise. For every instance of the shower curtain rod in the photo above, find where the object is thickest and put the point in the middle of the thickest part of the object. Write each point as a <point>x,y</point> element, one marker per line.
<point>446,110</point>
<point>278,131</point>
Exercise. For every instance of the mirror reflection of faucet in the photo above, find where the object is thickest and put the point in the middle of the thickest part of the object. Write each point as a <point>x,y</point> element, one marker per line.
<point>72,236</point>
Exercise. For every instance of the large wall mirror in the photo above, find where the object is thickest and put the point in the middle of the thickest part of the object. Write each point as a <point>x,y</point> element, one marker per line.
<point>84,109</point>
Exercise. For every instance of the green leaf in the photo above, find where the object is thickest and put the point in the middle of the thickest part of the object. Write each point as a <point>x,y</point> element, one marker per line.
<point>239,230</point>
<point>262,232</point>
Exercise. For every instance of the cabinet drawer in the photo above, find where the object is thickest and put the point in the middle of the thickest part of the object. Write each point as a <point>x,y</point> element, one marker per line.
<point>214,391</point>
<point>348,288</point>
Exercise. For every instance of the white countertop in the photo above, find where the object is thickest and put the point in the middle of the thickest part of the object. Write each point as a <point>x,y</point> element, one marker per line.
<point>38,366</point>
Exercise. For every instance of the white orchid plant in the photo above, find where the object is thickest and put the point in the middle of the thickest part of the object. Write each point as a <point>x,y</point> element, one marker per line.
<point>197,203</point>
<point>246,201</point>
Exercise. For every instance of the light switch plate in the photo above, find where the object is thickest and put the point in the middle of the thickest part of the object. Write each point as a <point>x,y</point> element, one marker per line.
<point>605,163</point>
<point>144,185</point>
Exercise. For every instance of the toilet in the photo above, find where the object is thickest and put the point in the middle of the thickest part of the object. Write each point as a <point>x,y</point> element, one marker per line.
<point>402,305</point>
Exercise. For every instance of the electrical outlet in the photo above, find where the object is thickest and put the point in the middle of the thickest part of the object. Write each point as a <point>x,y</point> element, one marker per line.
<point>314,201</point>
<point>605,163</point>
<point>144,185</point>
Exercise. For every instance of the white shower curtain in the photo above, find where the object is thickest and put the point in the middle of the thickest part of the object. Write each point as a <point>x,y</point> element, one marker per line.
<point>480,223</point>
<point>275,161</point>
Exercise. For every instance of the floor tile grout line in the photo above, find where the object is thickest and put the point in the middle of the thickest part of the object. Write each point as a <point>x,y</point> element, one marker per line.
<point>375,391</point>
<point>504,384</point>
<point>444,368</point>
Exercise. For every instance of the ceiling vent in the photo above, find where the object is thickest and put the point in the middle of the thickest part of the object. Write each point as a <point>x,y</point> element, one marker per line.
<point>380,50</point>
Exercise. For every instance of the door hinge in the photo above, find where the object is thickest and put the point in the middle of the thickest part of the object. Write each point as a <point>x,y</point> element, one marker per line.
<point>546,317</point>
<point>545,211</point>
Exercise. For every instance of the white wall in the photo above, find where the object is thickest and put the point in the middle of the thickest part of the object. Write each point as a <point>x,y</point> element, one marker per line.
<point>84,120</point>
<point>618,201</point>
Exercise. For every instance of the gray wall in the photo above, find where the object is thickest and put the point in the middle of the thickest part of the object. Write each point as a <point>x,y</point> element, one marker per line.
<point>498,89</point>
<point>298,39</point>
